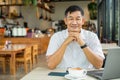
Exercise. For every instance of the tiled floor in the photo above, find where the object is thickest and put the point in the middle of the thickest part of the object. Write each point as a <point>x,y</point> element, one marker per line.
<point>20,71</point>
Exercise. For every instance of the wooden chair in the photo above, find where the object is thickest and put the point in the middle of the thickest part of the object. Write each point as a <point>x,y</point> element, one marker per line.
<point>35,54</point>
<point>2,61</point>
<point>25,59</point>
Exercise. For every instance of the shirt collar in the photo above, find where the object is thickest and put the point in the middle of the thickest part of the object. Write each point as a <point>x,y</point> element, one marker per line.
<point>82,34</point>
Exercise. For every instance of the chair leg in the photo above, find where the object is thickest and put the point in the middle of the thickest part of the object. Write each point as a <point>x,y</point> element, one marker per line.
<point>36,59</point>
<point>4,69</point>
<point>25,67</point>
<point>33,62</point>
<point>11,65</point>
<point>30,64</point>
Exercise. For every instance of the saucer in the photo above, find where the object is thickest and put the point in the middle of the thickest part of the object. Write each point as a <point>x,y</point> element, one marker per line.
<point>70,77</point>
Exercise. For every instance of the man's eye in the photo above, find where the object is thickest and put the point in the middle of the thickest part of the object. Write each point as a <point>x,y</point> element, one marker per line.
<point>70,19</point>
<point>78,19</point>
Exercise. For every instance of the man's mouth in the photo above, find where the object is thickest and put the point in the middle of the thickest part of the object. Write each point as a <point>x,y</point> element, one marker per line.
<point>74,27</point>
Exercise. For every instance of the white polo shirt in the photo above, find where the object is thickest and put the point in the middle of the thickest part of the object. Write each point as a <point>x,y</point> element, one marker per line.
<point>74,55</point>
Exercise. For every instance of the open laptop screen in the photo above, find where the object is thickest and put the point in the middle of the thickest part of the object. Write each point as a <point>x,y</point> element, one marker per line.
<point>112,66</point>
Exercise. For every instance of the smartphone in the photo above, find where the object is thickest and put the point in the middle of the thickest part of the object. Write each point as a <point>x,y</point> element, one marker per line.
<point>57,73</point>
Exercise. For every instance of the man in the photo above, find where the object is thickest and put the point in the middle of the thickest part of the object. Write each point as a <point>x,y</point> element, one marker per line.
<point>74,47</point>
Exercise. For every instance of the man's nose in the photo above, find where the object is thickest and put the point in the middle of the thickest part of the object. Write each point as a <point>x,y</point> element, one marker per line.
<point>74,21</point>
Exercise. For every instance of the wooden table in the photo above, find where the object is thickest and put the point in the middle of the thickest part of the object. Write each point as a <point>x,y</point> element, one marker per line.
<point>16,48</point>
<point>41,73</point>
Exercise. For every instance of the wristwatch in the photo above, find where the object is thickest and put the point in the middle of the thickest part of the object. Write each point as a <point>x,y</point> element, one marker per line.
<point>84,46</point>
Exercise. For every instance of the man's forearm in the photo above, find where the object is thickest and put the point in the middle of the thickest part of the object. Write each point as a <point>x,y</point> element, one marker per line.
<point>95,59</point>
<point>56,58</point>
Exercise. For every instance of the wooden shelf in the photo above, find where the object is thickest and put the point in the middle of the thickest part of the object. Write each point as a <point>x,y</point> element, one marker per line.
<point>43,7</point>
<point>39,5</point>
<point>11,5</point>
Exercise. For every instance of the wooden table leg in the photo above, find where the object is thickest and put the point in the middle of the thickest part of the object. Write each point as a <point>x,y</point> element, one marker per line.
<point>12,64</point>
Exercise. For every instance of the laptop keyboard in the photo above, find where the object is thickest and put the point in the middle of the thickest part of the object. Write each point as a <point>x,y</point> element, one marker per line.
<point>99,74</point>
<point>95,72</point>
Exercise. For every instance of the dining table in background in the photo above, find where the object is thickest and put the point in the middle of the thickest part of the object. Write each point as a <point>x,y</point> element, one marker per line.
<point>106,46</point>
<point>12,51</point>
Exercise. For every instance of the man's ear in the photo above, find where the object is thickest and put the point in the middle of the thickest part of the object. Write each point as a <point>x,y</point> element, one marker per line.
<point>65,21</point>
<point>83,21</point>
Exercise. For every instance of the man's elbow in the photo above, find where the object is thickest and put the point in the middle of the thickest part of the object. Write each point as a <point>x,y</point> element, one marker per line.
<point>51,66</point>
<point>99,65</point>
<point>50,63</point>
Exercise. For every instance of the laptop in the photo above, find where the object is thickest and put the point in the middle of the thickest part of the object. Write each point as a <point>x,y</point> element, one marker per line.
<point>112,66</point>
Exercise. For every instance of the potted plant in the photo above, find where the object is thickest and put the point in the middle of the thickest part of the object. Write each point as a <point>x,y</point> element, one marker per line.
<point>92,7</point>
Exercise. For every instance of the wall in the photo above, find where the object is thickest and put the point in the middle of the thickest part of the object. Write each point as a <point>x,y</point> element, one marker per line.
<point>29,13</point>
<point>61,6</point>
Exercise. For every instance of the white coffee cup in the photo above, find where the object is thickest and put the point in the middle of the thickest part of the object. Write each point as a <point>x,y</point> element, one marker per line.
<point>78,73</point>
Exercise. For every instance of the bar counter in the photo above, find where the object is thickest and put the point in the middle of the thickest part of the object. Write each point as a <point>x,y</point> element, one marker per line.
<point>42,42</point>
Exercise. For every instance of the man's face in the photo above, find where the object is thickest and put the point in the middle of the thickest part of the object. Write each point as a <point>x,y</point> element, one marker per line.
<point>74,21</point>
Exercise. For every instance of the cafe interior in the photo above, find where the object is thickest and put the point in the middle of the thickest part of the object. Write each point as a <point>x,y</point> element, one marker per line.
<point>26,27</point>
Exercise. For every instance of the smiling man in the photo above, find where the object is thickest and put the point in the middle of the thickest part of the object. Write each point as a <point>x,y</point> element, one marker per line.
<point>74,47</point>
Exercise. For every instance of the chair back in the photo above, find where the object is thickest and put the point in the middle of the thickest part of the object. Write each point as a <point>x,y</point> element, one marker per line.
<point>35,54</point>
<point>35,49</point>
<point>27,54</point>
